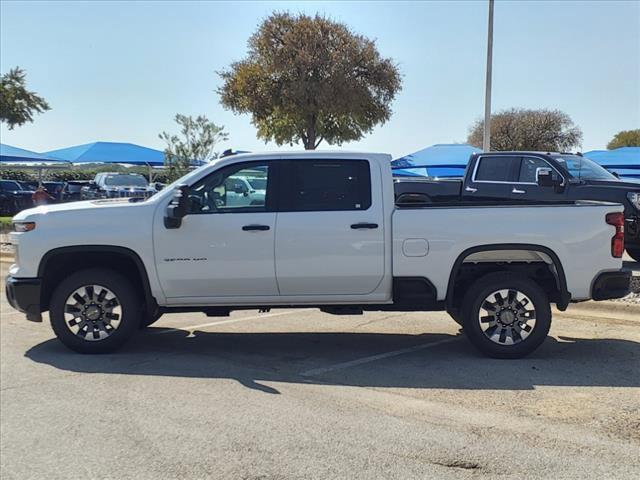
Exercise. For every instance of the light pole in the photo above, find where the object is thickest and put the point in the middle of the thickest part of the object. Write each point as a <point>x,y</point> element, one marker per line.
<point>486,140</point>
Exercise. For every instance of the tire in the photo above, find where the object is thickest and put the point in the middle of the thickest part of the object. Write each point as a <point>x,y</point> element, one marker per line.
<point>634,253</point>
<point>456,316</point>
<point>525,328</point>
<point>95,311</point>
<point>148,320</point>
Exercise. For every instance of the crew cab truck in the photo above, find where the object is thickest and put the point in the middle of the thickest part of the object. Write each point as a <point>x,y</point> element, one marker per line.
<point>532,176</point>
<point>327,235</point>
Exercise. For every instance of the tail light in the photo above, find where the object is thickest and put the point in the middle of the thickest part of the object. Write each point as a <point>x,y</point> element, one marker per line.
<point>617,241</point>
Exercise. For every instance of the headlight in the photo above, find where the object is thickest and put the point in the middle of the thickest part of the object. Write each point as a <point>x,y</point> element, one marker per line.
<point>634,198</point>
<point>23,226</point>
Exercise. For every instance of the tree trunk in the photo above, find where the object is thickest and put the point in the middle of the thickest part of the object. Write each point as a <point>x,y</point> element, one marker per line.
<point>310,140</point>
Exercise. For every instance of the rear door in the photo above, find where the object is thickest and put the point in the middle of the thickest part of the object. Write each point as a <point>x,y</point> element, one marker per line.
<point>330,229</point>
<point>492,178</point>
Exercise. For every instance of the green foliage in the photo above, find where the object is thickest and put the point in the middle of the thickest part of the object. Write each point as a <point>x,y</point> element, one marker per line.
<point>523,129</point>
<point>311,79</point>
<point>81,174</point>
<point>20,175</point>
<point>625,138</point>
<point>17,104</point>
<point>5,224</point>
<point>197,142</point>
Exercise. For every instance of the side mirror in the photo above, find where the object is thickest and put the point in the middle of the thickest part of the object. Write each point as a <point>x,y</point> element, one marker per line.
<point>546,177</point>
<point>177,208</point>
<point>616,174</point>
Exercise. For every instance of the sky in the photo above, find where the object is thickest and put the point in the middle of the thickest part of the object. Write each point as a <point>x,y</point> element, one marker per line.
<point>120,71</point>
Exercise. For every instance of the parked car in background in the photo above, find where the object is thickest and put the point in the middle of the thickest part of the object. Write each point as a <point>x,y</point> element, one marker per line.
<point>13,197</point>
<point>527,176</point>
<point>328,234</point>
<point>30,185</point>
<point>117,185</point>
<point>72,191</point>
<point>56,190</point>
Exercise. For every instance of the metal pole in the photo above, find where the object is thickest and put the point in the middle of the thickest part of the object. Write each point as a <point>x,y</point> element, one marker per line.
<point>486,140</point>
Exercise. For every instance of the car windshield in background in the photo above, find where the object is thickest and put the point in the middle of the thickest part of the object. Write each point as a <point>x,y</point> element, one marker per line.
<point>125,181</point>
<point>9,185</point>
<point>583,169</point>
<point>258,183</point>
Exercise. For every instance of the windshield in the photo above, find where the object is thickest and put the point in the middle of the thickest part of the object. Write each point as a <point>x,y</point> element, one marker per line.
<point>584,169</point>
<point>126,180</point>
<point>9,185</point>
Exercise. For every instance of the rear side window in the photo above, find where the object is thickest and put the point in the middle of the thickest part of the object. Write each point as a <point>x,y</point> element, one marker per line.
<point>528,169</point>
<point>496,169</point>
<point>329,185</point>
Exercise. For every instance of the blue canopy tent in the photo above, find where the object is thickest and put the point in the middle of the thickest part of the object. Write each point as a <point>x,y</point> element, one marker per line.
<point>110,152</point>
<point>14,157</point>
<point>440,160</point>
<point>624,161</point>
<point>9,154</point>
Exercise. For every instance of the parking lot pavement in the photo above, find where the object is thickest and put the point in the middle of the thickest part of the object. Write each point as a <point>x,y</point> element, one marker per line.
<point>301,394</point>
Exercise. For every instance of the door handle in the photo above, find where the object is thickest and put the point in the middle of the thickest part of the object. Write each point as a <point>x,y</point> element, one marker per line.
<point>359,226</point>
<point>515,190</point>
<point>249,228</point>
<point>471,189</point>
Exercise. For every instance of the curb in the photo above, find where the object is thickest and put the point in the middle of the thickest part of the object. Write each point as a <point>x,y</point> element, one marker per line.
<point>606,308</point>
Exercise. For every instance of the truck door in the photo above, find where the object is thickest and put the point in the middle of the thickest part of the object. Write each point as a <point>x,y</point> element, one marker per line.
<point>527,187</point>
<point>330,232</point>
<point>225,245</point>
<point>491,178</point>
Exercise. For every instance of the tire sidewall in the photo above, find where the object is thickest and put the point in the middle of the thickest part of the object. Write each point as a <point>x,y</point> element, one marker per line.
<point>122,289</point>
<point>482,288</point>
<point>634,253</point>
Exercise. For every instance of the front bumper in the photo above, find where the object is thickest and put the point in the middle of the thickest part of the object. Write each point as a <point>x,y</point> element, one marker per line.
<point>609,285</point>
<point>23,294</point>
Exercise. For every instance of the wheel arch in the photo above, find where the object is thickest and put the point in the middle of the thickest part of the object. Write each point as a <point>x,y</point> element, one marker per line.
<point>564,296</point>
<point>65,260</point>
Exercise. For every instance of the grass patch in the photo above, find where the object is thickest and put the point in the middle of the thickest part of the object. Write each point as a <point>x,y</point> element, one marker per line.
<point>5,224</point>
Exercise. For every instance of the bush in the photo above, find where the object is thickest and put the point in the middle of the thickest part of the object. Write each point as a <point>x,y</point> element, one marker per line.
<point>5,224</point>
<point>19,175</point>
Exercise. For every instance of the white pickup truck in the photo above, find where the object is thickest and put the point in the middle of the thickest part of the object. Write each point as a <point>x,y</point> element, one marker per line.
<point>327,234</point>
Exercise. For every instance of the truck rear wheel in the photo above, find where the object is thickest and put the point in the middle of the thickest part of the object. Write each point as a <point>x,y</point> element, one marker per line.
<point>634,253</point>
<point>95,311</point>
<point>506,315</point>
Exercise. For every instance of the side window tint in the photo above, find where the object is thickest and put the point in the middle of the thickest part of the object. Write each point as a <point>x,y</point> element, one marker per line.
<point>495,169</point>
<point>237,188</point>
<point>528,169</point>
<point>325,185</point>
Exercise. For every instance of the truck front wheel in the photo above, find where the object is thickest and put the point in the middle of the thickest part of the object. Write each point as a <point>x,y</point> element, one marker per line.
<point>506,315</point>
<point>95,311</point>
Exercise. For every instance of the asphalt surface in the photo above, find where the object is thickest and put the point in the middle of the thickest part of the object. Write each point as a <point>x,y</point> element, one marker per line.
<point>300,394</point>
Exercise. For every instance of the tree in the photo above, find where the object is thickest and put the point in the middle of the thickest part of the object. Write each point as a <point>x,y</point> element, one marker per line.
<point>196,143</point>
<point>17,104</point>
<point>523,129</point>
<point>311,79</point>
<point>625,138</point>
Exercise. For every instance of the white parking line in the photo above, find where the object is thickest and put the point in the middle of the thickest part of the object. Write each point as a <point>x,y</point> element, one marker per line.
<point>221,322</point>
<point>373,358</point>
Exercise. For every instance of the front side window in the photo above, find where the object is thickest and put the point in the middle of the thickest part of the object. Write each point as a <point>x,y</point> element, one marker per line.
<point>528,169</point>
<point>329,185</point>
<point>495,169</point>
<point>230,190</point>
